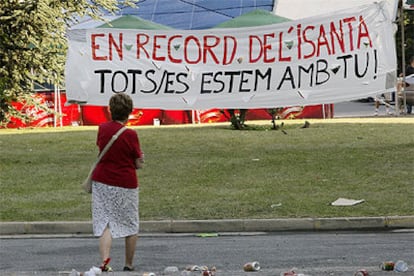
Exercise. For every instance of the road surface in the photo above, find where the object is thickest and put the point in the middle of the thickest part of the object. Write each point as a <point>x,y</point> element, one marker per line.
<point>311,253</point>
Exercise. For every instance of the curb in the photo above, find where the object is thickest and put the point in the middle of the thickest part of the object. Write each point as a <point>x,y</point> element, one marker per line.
<point>231,225</point>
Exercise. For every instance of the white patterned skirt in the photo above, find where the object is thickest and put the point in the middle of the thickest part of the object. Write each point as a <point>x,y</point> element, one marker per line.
<point>116,208</point>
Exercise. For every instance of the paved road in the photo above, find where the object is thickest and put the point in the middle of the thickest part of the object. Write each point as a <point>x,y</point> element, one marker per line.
<point>364,109</point>
<point>356,109</point>
<point>312,253</point>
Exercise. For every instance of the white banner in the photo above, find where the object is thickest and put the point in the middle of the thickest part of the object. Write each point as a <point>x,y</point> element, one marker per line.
<point>337,57</point>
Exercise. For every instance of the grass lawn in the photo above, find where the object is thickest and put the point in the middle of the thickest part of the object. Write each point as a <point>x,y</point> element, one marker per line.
<point>213,171</point>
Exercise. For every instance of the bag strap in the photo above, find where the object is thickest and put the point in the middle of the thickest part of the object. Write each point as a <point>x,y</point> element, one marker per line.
<point>107,146</point>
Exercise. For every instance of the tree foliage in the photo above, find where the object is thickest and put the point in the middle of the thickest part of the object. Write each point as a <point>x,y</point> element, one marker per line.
<point>408,19</point>
<point>33,43</point>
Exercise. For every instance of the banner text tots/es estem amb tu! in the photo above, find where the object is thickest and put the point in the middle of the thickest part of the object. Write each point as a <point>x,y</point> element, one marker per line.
<point>331,58</point>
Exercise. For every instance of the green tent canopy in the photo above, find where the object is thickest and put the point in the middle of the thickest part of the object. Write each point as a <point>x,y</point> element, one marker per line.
<point>253,18</point>
<point>133,22</point>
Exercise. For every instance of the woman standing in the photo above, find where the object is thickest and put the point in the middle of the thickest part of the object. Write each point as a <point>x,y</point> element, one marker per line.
<point>115,184</point>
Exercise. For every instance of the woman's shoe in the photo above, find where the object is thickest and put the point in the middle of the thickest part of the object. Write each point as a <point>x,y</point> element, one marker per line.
<point>127,268</point>
<point>105,266</point>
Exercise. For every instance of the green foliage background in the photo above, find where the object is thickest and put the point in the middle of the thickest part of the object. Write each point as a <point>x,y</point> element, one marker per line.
<point>408,18</point>
<point>33,44</point>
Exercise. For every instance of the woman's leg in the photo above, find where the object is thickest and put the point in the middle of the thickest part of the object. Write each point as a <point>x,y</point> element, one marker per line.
<point>130,245</point>
<point>105,243</point>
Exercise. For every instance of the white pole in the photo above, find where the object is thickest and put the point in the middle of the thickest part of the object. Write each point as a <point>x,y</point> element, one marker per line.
<point>323,111</point>
<point>192,116</point>
<point>274,6</point>
<point>403,57</point>
<point>60,107</point>
<point>54,106</point>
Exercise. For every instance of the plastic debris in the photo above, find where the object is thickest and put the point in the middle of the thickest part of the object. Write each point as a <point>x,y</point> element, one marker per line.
<point>74,273</point>
<point>292,272</point>
<point>171,269</point>
<point>200,270</point>
<point>289,273</point>
<point>346,202</point>
<point>193,268</point>
<point>387,266</point>
<point>361,272</point>
<point>148,274</point>
<point>92,272</point>
<point>207,235</point>
<point>306,125</point>
<point>251,266</point>
<point>400,266</point>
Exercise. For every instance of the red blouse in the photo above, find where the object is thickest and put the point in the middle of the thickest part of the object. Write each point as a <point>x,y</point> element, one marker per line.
<point>117,166</point>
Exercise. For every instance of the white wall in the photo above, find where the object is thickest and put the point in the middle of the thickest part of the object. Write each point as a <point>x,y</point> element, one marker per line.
<point>296,9</point>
